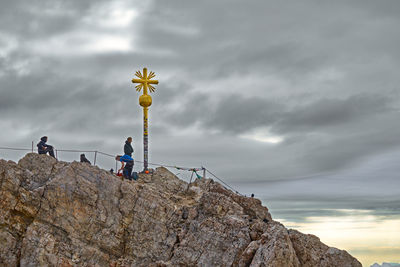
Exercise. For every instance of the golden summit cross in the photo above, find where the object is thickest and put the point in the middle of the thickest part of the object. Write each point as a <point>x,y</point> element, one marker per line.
<point>145,81</point>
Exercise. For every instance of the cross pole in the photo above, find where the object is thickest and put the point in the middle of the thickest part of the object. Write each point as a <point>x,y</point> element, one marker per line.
<point>145,81</point>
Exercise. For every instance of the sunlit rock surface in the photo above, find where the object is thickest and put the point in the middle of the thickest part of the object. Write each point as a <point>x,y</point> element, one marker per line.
<point>73,214</point>
<point>386,264</point>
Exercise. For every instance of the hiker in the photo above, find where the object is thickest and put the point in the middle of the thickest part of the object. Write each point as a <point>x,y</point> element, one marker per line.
<point>43,148</point>
<point>126,168</point>
<point>84,159</point>
<point>128,149</point>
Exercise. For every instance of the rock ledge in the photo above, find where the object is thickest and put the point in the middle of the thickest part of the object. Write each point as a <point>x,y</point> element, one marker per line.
<point>73,214</point>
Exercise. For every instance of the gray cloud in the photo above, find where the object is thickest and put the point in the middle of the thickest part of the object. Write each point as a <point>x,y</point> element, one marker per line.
<point>323,76</point>
<point>237,114</point>
<point>331,112</point>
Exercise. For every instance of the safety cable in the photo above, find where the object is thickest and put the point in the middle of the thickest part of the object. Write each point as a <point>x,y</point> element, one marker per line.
<point>219,179</point>
<point>153,164</point>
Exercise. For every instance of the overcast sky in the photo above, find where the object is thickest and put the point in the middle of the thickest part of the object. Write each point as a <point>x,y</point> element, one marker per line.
<point>257,91</point>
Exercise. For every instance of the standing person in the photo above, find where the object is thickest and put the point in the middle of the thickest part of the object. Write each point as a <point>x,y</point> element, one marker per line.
<point>43,148</point>
<point>128,149</point>
<point>127,168</point>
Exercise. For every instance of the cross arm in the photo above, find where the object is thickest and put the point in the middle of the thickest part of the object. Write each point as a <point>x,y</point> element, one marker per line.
<point>152,81</point>
<point>137,81</point>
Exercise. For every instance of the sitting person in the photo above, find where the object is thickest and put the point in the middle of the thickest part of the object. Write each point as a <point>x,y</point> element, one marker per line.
<point>43,148</point>
<point>127,168</point>
<point>84,159</point>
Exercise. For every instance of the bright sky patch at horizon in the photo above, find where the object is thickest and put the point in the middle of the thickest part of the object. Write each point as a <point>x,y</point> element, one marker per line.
<point>295,101</point>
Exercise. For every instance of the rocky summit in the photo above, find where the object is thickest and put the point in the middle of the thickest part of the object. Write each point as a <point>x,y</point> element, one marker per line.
<point>55,213</point>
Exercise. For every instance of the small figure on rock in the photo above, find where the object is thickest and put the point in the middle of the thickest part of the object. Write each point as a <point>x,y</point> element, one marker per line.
<point>252,195</point>
<point>84,159</point>
<point>126,168</point>
<point>128,149</point>
<point>43,148</point>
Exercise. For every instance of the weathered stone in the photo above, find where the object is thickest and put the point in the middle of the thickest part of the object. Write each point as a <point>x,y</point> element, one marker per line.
<point>312,252</point>
<point>276,248</point>
<point>73,214</point>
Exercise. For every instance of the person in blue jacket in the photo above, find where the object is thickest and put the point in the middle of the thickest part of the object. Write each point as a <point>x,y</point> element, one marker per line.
<point>44,148</point>
<point>127,165</point>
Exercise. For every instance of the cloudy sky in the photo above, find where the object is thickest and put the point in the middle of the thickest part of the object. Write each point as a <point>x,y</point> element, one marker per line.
<point>295,101</point>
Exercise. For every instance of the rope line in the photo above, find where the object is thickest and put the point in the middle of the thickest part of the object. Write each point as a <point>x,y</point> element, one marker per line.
<point>219,179</point>
<point>106,154</point>
<point>153,164</point>
<point>12,148</point>
<point>72,150</point>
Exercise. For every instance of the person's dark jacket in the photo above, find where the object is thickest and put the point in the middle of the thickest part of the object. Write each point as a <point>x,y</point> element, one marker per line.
<point>84,159</point>
<point>42,145</point>
<point>128,149</point>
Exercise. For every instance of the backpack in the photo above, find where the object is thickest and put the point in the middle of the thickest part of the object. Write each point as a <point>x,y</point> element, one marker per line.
<point>135,176</point>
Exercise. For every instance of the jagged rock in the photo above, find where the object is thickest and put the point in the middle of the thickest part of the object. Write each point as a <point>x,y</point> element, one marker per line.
<point>312,252</point>
<point>72,214</point>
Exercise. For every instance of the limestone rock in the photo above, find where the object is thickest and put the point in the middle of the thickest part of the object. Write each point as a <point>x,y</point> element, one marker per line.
<point>72,214</point>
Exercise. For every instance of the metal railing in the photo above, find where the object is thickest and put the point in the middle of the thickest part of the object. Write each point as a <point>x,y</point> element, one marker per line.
<point>96,153</point>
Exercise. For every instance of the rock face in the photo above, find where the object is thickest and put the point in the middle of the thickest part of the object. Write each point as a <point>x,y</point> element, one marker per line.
<point>73,214</point>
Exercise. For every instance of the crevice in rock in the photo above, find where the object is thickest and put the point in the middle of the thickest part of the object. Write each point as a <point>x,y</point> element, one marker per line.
<point>290,244</point>
<point>201,253</point>
<point>247,262</point>
<point>18,248</point>
<point>131,213</point>
<point>28,220</point>
<point>41,200</point>
<point>124,241</point>
<point>175,246</point>
<point>296,252</point>
<point>121,196</point>
<point>2,177</point>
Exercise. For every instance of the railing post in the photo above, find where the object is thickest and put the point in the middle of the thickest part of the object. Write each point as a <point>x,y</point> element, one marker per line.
<point>32,146</point>
<point>204,173</point>
<point>95,157</point>
<point>190,181</point>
